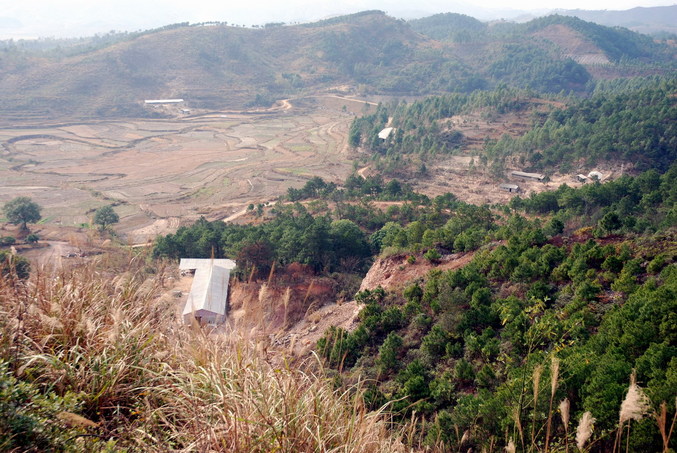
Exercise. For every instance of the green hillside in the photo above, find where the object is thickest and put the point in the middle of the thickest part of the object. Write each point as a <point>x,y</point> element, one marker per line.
<point>617,43</point>
<point>220,66</point>
<point>632,123</point>
<point>574,289</point>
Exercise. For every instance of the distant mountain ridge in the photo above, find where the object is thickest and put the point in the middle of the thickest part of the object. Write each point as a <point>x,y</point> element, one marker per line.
<point>651,20</point>
<point>219,66</point>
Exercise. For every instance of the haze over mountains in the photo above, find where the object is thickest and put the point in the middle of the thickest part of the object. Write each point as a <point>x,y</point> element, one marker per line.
<point>222,66</point>
<point>76,19</point>
<point>643,20</point>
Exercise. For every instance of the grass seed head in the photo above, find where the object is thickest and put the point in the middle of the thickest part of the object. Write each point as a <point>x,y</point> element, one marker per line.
<point>584,430</point>
<point>564,410</point>
<point>636,404</point>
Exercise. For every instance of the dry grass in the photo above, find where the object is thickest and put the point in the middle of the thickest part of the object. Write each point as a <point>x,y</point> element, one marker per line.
<point>564,407</point>
<point>148,384</point>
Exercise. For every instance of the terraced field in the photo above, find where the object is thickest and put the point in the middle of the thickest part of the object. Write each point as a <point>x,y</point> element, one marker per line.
<point>165,172</point>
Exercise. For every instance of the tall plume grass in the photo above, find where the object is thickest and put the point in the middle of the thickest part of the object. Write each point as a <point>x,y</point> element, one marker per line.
<point>554,380</point>
<point>662,420</point>
<point>510,448</point>
<point>584,430</point>
<point>564,410</point>
<point>237,400</point>
<point>147,383</point>
<point>635,406</point>
<point>536,380</point>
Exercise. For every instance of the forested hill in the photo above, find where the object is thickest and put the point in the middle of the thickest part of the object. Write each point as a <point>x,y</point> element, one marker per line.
<point>630,122</point>
<point>577,37</point>
<point>217,65</point>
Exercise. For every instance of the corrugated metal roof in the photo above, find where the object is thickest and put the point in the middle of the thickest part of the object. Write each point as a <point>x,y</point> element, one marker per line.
<point>385,133</point>
<point>209,290</point>
<point>197,263</point>
<point>522,174</point>
<point>163,101</point>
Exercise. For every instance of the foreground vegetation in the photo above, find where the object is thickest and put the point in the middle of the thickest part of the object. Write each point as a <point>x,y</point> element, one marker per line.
<point>581,292</point>
<point>91,359</point>
<point>577,300</point>
<point>551,314</point>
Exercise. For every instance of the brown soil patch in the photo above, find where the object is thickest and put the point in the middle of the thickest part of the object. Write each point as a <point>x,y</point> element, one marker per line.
<point>574,44</point>
<point>395,272</point>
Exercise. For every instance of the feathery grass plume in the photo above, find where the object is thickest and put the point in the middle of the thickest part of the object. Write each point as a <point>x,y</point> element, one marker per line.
<point>661,419</point>
<point>564,410</point>
<point>259,317</point>
<point>271,274</point>
<point>510,448</point>
<point>584,429</point>
<point>635,406</point>
<point>554,378</point>
<point>554,375</point>
<point>308,292</point>
<point>465,437</point>
<point>518,422</point>
<point>538,371</point>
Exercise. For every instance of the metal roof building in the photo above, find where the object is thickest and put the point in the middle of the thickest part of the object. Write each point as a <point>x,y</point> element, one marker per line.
<point>163,101</point>
<point>524,175</point>
<point>385,133</point>
<point>509,187</point>
<point>207,299</point>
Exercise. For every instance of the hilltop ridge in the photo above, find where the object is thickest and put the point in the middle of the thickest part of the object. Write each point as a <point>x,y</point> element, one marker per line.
<point>216,66</point>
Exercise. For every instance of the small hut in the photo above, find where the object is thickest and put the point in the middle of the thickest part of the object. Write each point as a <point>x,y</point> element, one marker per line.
<point>206,302</point>
<point>512,188</point>
<point>385,133</point>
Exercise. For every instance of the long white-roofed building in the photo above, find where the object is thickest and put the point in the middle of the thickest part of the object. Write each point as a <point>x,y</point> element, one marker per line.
<point>209,292</point>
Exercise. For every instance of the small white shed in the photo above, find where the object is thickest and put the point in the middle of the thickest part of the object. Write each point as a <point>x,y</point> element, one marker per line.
<point>510,187</point>
<point>208,294</point>
<point>385,133</point>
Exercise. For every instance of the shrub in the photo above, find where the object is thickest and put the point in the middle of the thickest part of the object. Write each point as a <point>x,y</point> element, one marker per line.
<point>388,353</point>
<point>656,264</point>
<point>432,255</point>
<point>14,265</point>
<point>463,372</point>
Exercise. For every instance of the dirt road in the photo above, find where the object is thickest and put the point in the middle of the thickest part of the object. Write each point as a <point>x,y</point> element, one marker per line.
<point>52,256</point>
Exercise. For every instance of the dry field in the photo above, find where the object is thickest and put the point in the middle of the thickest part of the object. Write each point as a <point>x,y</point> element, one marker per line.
<point>165,172</point>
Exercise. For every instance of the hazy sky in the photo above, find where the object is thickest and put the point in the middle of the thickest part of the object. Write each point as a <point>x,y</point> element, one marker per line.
<point>33,18</point>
